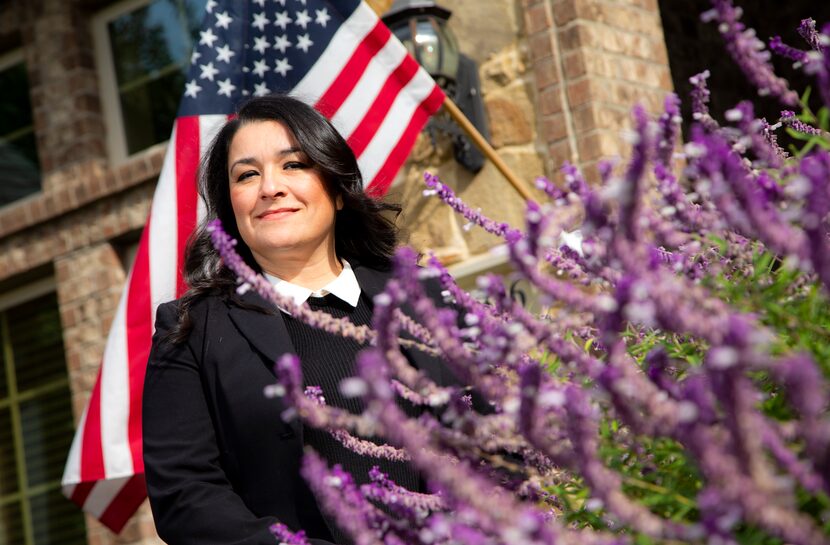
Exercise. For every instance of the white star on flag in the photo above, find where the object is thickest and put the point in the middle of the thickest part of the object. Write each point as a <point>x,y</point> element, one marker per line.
<point>304,42</point>
<point>260,89</point>
<point>260,44</point>
<point>195,57</point>
<point>282,43</point>
<point>226,87</point>
<point>191,88</point>
<point>303,19</point>
<point>223,19</point>
<point>208,71</point>
<point>224,53</point>
<point>282,19</point>
<point>260,67</point>
<point>282,67</point>
<point>210,5</point>
<point>260,21</point>
<point>261,3</point>
<point>322,17</point>
<point>207,37</point>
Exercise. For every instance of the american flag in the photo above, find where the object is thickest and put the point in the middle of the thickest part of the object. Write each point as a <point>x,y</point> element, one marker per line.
<point>334,54</point>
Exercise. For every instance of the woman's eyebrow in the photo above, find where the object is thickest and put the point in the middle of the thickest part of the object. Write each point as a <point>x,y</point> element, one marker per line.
<point>251,160</point>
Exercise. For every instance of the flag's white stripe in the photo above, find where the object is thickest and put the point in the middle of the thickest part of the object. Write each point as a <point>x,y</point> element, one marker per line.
<point>72,469</point>
<point>102,494</point>
<point>336,55</point>
<point>209,125</point>
<point>394,124</point>
<point>354,108</point>
<point>163,241</point>
<point>115,397</point>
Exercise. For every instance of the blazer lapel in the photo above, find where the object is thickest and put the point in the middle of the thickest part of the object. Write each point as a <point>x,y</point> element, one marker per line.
<point>266,332</point>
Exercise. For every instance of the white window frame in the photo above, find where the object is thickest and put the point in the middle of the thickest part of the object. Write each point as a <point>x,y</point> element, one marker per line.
<point>107,81</point>
<point>27,292</point>
<point>10,58</point>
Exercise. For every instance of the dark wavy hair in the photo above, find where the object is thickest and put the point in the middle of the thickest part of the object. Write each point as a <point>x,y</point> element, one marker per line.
<point>364,229</point>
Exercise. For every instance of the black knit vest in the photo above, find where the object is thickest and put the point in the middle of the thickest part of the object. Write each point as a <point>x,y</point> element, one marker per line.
<point>327,359</point>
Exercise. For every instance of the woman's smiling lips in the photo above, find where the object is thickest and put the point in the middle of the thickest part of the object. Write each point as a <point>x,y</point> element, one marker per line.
<point>277,213</point>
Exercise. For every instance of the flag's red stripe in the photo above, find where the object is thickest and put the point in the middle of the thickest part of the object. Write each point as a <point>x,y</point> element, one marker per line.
<point>92,451</point>
<point>373,119</point>
<point>81,492</point>
<point>139,335</point>
<point>122,507</point>
<point>399,153</point>
<point>350,74</point>
<point>187,163</point>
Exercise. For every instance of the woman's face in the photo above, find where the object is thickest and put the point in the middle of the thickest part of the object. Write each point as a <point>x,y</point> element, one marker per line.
<point>282,207</point>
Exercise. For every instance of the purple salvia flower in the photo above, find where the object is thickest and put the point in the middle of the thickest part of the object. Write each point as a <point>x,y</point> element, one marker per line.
<point>669,130</point>
<point>818,64</point>
<point>380,482</point>
<point>630,194</point>
<point>742,201</point>
<point>700,101</point>
<point>805,389</point>
<point>789,119</point>
<point>777,46</point>
<point>787,459</point>
<point>355,444</point>
<point>550,189</point>
<point>459,296</point>
<point>807,30</point>
<point>457,483</point>
<point>816,168</point>
<point>286,537</point>
<point>309,409</point>
<point>446,194</point>
<point>748,52</point>
<point>757,131</point>
<point>339,497</point>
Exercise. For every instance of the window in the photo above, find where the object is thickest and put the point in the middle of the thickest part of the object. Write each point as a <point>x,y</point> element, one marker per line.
<point>143,52</point>
<point>19,167</point>
<point>36,426</point>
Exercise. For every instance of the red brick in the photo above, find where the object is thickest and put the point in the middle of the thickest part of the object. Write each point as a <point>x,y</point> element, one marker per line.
<point>546,73</point>
<point>538,18</point>
<point>550,101</point>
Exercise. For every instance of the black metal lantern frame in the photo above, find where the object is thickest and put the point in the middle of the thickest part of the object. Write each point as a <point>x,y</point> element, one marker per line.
<point>421,25</point>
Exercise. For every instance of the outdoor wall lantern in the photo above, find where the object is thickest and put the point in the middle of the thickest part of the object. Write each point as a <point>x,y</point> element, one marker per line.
<point>422,27</point>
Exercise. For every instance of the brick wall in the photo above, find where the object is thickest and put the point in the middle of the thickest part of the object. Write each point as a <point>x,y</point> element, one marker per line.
<point>558,78</point>
<point>593,60</point>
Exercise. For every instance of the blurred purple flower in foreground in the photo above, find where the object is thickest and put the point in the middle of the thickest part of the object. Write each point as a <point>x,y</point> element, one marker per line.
<point>640,343</point>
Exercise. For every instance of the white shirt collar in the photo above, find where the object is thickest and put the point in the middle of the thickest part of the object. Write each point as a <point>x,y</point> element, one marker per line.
<point>343,287</point>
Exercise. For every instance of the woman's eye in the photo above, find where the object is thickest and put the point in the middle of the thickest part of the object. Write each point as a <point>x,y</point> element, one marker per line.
<point>245,175</point>
<point>295,165</point>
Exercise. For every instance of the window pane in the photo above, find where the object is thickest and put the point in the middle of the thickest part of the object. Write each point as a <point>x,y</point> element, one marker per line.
<point>19,168</point>
<point>37,343</point>
<point>4,387</point>
<point>151,50</point>
<point>8,464</point>
<point>56,520</point>
<point>149,111</point>
<point>11,524</point>
<point>47,434</point>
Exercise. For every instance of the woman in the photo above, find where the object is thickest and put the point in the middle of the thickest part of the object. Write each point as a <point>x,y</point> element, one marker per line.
<point>221,464</point>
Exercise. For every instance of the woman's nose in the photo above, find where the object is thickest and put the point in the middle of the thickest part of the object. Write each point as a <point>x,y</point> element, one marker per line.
<point>271,187</point>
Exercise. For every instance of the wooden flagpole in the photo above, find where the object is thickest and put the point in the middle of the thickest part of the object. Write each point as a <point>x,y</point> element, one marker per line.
<point>485,147</point>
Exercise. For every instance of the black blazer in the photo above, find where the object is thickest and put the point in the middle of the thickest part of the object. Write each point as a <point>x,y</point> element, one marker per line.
<point>220,463</point>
